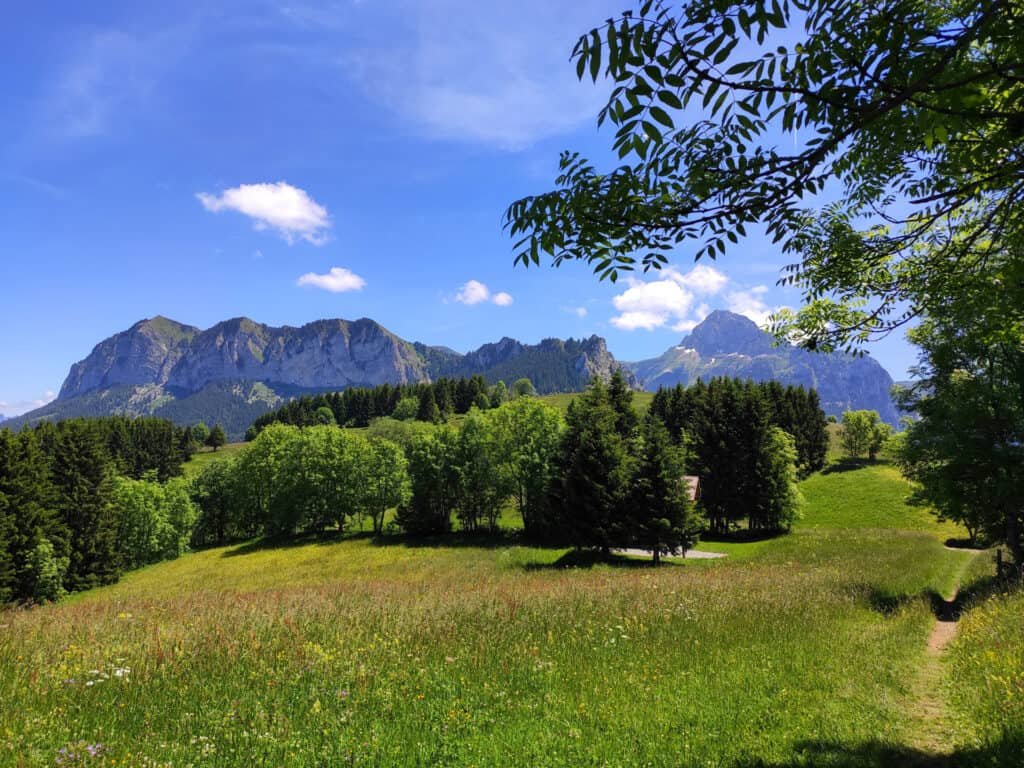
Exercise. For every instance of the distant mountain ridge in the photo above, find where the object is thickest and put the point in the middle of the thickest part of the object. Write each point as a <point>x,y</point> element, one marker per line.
<point>728,344</point>
<point>237,369</point>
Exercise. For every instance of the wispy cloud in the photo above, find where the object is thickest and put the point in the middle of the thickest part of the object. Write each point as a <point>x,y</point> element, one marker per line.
<point>336,280</point>
<point>491,73</point>
<point>475,292</point>
<point>107,74</point>
<point>18,407</point>
<point>287,209</point>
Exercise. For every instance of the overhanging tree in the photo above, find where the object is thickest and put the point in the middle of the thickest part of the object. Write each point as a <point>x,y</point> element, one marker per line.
<point>914,108</point>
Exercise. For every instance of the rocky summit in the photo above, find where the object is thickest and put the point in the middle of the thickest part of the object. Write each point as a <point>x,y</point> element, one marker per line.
<point>728,344</point>
<point>238,369</point>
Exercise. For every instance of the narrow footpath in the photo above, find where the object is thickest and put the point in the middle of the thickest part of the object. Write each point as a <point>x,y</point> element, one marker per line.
<point>931,726</point>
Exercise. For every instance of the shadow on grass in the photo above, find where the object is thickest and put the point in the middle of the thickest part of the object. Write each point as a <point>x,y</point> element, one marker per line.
<point>588,558</point>
<point>971,546</point>
<point>967,597</point>
<point>740,536</point>
<point>1005,751</point>
<point>849,465</point>
<point>290,542</point>
<point>480,540</point>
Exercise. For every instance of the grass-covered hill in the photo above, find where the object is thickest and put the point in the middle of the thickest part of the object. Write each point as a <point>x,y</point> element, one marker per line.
<point>802,650</point>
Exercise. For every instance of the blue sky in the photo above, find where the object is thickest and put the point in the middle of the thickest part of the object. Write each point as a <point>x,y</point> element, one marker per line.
<point>289,161</point>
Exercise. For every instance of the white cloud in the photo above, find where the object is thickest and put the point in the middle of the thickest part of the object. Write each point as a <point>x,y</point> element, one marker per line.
<point>685,326</point>
<point>282,207</point>
<point>18,407</point>
<point>336,280</point>
<point>669,300</point>
<point>750,302</point>
<point>475,292</point>
<point>651,305</point>
<point>492,73</point>
<point>578,311</point>
<point>701,279</point>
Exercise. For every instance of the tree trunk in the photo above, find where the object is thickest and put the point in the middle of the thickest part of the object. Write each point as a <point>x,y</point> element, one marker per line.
<point>1013,541</point>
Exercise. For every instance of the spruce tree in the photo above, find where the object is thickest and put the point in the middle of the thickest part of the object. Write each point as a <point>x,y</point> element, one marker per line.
<point>620,396</point>
<point>25,483</point>
<point>217,437</point>
<point>592,473</point>
<point>660,515</point>
<point>83,478</point>
<point>6,559</point>
<point>428,410</point>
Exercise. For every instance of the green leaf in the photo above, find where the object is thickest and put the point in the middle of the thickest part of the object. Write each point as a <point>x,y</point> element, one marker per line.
<point>661,116</point>
<point>670,99</point>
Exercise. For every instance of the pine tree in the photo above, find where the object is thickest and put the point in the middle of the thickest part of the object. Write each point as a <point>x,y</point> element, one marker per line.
<point>217,437</point>
<point>25,484</point>
<point>659,512</point>
<point>83,478</point>
<point>6,558</point>
<point>428,410</point>
<point>620,396</point>
<point>591,473</point>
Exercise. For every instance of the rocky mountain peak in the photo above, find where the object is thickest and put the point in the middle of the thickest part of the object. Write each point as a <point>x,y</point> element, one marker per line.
<point>723,332</point>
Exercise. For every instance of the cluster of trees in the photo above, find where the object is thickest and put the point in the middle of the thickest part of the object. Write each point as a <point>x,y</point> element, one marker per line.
<point>200,434</point>
<point>863,433</point>
<point>601,478</point>
<point>744,437</point>
<point>432,402</point>
<point>81,500</point>
<point>297,479</point>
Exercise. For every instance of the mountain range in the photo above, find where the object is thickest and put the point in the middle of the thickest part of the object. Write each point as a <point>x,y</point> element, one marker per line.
<point>728,344</point>
<point>238,369</point>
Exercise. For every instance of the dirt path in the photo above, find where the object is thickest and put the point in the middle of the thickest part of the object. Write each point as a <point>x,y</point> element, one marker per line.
<point>692,554</point>
<point>930,716</point>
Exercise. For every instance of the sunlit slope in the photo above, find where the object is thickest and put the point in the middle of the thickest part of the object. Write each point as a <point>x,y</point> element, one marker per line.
<point>390,653</point>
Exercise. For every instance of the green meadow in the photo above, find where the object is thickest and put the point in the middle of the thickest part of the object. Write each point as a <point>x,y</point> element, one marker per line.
<point>799,650</point>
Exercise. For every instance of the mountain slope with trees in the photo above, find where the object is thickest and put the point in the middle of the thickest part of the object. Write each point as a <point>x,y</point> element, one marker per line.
<point>728,344</point>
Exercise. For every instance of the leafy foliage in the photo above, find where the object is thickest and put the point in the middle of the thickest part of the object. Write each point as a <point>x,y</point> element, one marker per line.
<point>966,448</point>
<point>915,110</point>
<point>863,432</point>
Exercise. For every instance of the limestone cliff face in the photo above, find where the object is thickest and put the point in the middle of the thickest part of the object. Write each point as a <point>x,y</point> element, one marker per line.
<point>320,355</point>
<point>144,354</point>
<point>727,344</point>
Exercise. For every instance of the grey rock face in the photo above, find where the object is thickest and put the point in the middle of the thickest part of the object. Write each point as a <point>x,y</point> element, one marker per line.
<point>144,354</point>
<point>727,344</point>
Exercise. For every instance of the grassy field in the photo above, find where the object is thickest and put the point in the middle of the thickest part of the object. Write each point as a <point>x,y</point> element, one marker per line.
<point>793,651</point>
<point>199,460</point>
